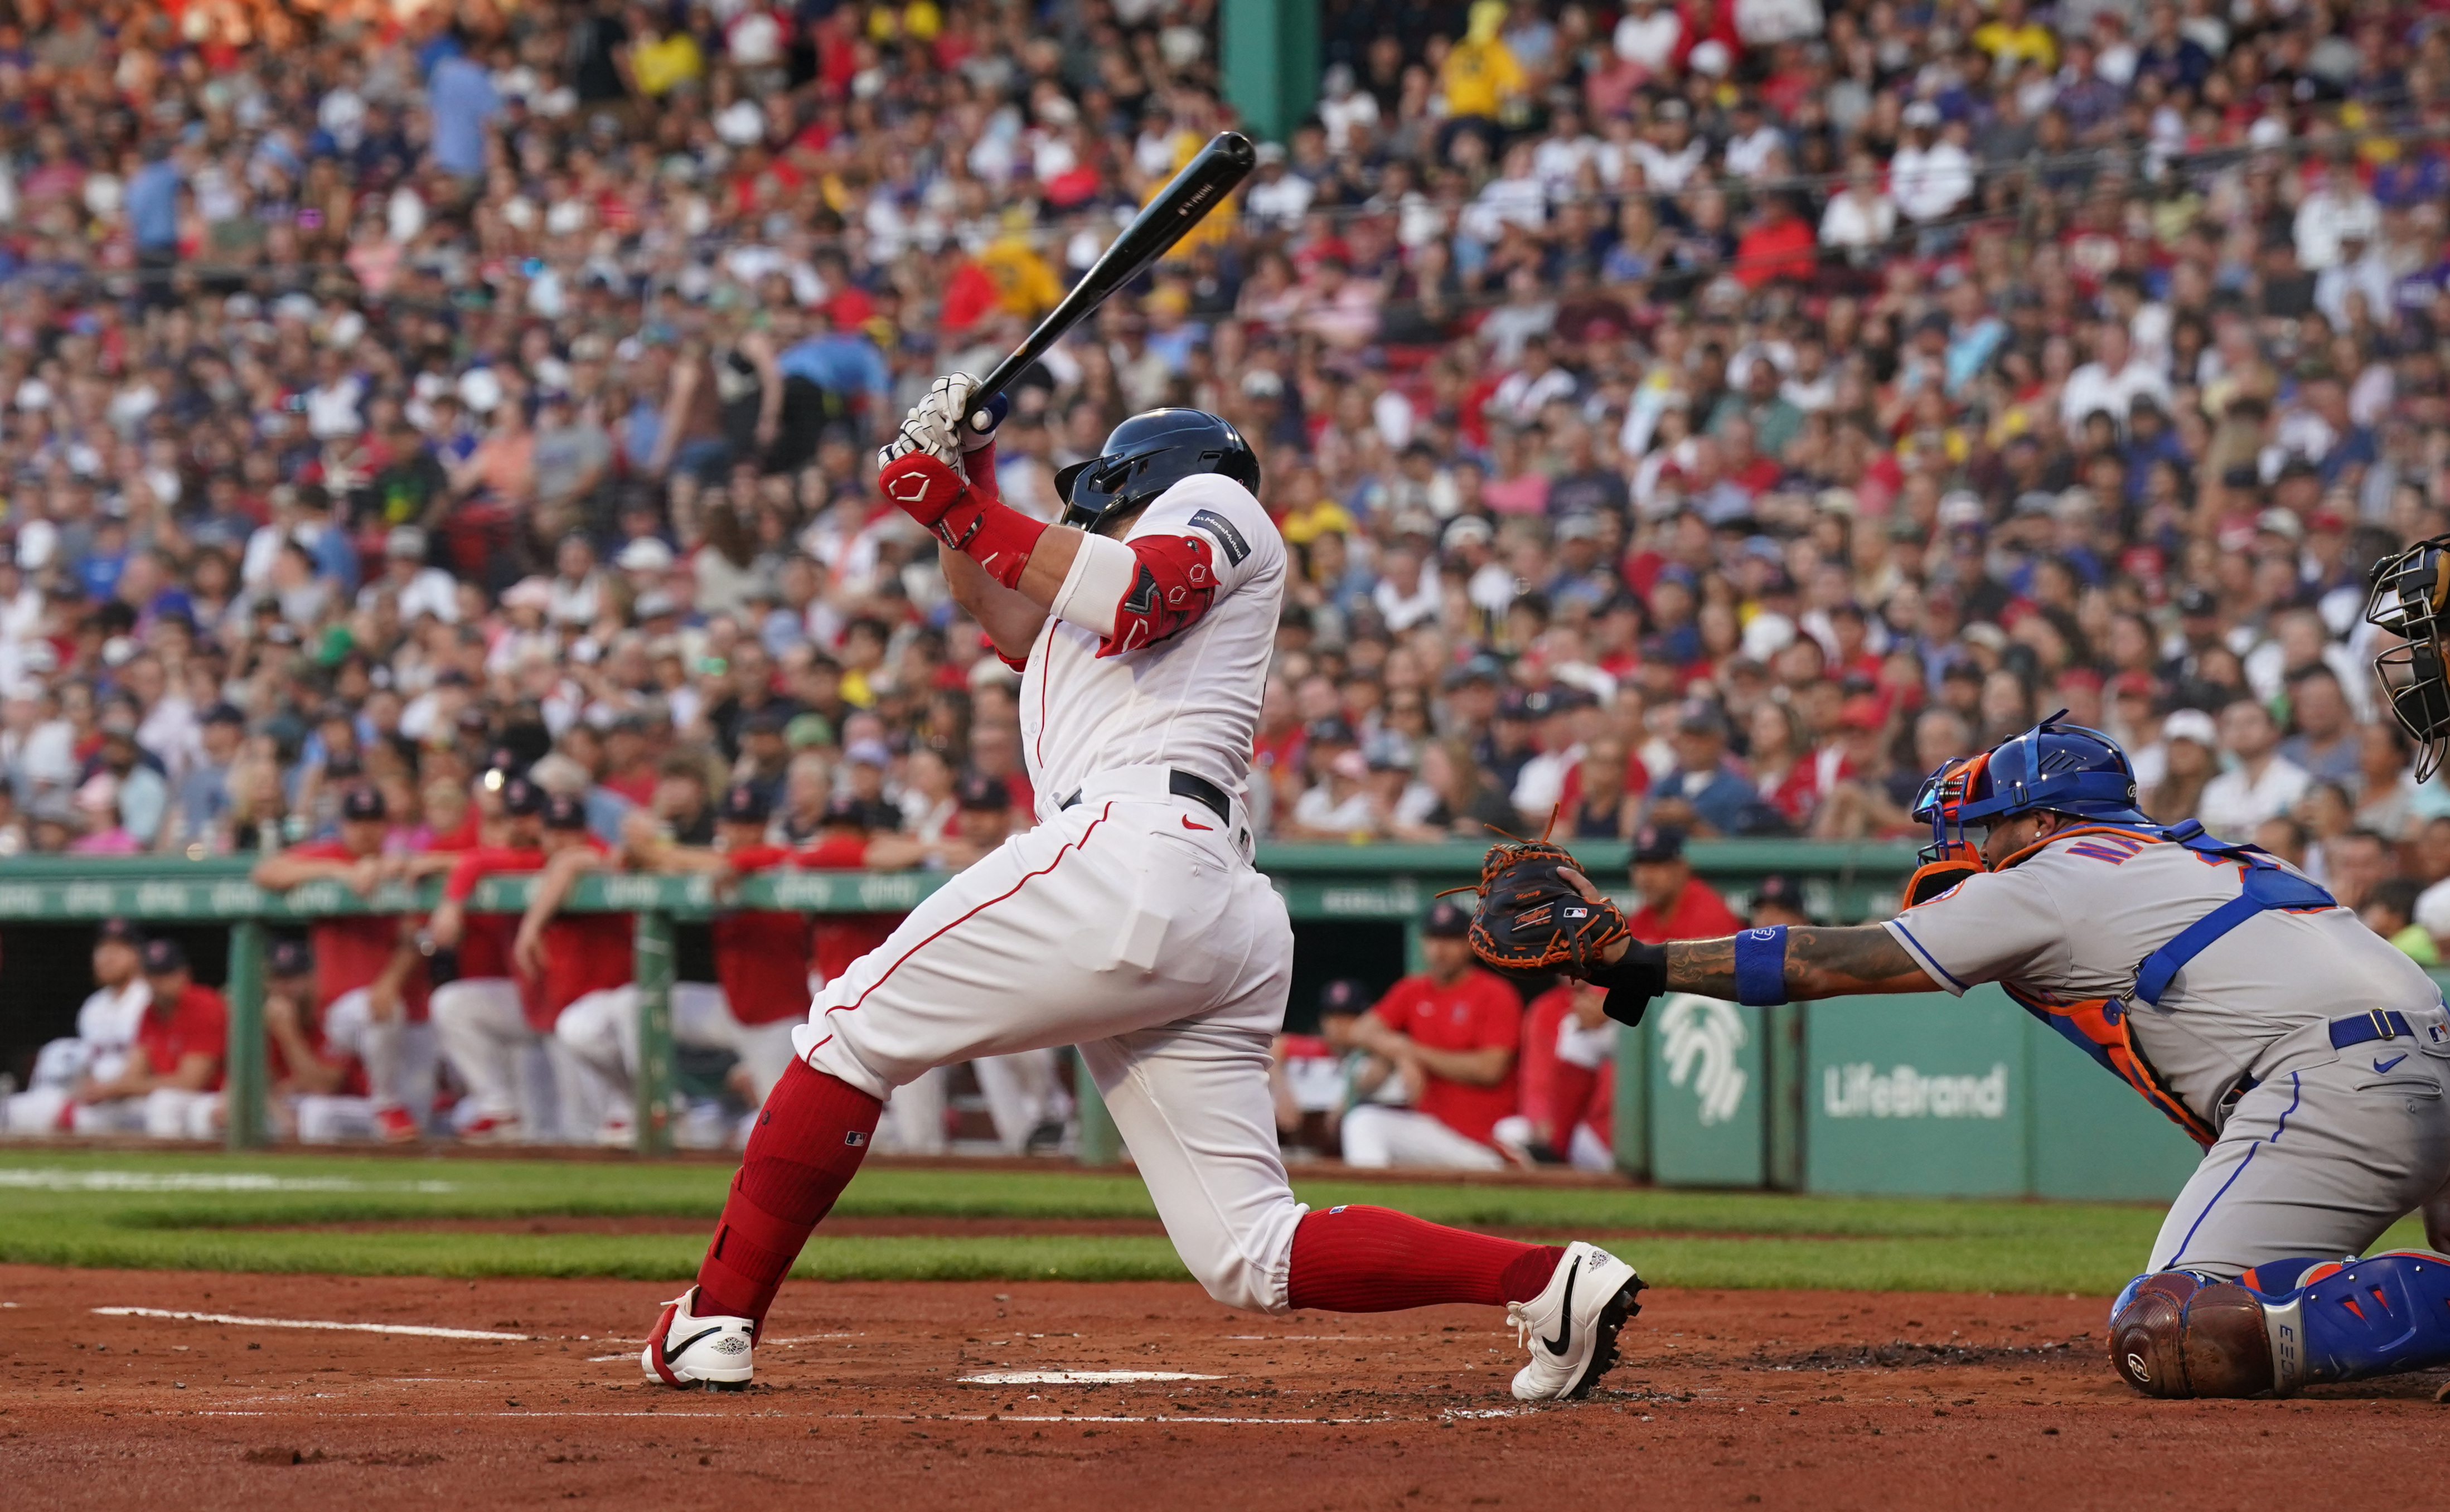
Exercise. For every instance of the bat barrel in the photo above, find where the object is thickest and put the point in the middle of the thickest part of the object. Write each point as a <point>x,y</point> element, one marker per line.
<point>1212,174</point>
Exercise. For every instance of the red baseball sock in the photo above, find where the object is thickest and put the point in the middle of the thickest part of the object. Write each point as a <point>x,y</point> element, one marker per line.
<point>1357,1259</point>
<point>806,1146</point>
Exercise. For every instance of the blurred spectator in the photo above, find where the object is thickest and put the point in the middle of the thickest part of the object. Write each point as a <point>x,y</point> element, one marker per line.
<point>1453,1033</point>
<point>1778,899</point>
<point>2259,784</point>
<point>2396,912</point>
<point>1675,904</point>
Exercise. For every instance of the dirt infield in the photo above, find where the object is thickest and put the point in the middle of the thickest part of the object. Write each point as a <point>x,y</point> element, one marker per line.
<point>1726,1399</point>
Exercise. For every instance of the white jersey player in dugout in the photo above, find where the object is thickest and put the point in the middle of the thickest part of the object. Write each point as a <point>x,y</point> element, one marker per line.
<point>1130,922</point>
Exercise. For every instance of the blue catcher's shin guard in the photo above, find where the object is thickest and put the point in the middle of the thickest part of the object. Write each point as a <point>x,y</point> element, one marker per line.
<point>2357,1318</point>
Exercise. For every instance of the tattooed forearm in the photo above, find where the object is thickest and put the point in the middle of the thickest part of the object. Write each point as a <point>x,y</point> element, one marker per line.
<point>1820,963</point>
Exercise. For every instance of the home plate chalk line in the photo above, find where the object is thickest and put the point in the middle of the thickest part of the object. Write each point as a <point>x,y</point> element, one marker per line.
<point>309,1323</point>
<point>1079,1377</point>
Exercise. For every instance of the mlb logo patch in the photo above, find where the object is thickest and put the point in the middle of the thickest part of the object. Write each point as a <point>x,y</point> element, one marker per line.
<point>2435,1034</point>
<point>854,1139</point>
<point>1576,913</point>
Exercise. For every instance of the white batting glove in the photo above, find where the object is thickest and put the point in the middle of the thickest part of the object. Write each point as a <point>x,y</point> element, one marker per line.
<point>946,403</point>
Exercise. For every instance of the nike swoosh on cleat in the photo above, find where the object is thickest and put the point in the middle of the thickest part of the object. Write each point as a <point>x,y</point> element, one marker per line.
<point>1565,1339</point>
<point>2381,1064</point>
<point>672,1351</point>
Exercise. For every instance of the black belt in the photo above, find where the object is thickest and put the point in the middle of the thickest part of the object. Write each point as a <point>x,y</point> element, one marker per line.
<point>2376,1025</point>
<point>1184,784</point>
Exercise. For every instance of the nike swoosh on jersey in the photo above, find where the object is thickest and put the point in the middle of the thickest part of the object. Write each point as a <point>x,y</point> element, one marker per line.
<point>1565,1339</point>
<point>2381,1064</point>
<point>1188,825</point>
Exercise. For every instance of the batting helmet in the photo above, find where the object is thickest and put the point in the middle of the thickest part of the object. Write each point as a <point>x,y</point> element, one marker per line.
<point>1149,454</point>
<point>2409,595</point>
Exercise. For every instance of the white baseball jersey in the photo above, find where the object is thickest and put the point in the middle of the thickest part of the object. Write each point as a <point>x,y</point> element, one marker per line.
<point>2070,923</point>
<point>1190,700</point>
<point>1130,924</point>
<point>107,1023</point>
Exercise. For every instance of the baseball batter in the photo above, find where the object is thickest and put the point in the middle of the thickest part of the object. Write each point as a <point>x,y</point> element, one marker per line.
<point>1129,922</point>
<point>2309,1056</point>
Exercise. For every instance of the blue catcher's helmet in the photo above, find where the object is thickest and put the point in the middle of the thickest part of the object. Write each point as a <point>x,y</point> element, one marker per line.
<point>2062,768</point>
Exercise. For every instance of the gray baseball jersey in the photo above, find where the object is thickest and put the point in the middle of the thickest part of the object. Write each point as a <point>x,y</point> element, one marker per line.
<point>2070,923</point>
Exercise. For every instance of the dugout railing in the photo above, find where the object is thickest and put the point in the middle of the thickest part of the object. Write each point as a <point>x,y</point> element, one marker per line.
<point>1928,1095</point>
<point>1357,910</point>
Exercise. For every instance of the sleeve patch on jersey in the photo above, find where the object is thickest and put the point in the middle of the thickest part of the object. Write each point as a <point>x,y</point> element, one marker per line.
<point>1234,546</point>
<point>1174,585</point>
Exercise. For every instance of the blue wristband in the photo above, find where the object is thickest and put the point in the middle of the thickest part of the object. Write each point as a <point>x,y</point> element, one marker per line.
<point>1760,967</point>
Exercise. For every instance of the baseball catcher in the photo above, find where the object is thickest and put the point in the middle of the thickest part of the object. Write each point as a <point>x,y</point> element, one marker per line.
<point>2306,1054</point>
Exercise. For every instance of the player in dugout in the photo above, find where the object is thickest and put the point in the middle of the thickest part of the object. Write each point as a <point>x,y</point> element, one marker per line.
<point>2306,1054</point>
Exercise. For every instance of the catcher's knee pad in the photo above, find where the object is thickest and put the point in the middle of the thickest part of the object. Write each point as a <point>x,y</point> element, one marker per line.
<point>2182,1333</point>
<point>2357,1318</point>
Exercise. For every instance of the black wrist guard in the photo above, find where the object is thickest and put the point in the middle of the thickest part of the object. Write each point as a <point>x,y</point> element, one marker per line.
<point>1638,975</point>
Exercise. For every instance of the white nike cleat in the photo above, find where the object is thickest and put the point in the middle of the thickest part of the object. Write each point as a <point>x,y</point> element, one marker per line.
<point>1571,1328</point>
<point>685,1350</point>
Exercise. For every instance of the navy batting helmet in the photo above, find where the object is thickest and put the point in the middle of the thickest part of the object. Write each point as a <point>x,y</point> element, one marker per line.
<point>1149,454</point>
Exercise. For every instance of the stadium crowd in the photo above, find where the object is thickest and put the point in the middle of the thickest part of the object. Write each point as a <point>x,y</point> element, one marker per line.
<point>1705,416</point>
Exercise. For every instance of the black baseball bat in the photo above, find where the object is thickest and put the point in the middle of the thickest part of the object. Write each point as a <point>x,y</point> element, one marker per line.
<point>1202,185</point>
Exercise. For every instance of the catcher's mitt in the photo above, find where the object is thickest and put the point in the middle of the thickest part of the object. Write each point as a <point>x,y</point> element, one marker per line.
<point>1530,918</point>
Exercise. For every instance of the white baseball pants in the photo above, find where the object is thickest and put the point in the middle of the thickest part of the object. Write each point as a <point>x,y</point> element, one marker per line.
<point>601,1028</point>
<point>1130,927</point>
<point>1377,1137</point>
<point>483,1032</point>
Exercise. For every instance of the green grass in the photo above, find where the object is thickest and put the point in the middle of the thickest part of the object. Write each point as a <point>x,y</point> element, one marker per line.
<point>1695,1239</point>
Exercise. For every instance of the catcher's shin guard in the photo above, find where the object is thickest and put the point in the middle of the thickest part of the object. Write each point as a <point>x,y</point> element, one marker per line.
<point>2357,1318</point>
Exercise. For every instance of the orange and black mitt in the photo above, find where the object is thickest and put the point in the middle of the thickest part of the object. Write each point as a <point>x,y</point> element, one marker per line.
<point>1531,919</point>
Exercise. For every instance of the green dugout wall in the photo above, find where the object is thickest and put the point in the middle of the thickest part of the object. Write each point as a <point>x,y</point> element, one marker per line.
<point>1925,1093</point>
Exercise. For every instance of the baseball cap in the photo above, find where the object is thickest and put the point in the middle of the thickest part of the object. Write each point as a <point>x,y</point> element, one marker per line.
<point>2195,600</point>
<point>405,541</point>
<point>1657,842</point>
<point>561,811</point>
<point>849,809</point>
<point>1465,530</point>
<point>744,804</point>
<point>1330,731</point>
<point>869,752</point>
<point>221,714</point>
<point>1862,713</point>
<point>523,798</point>
<point>644,555</point>
<point>1481,668</point>
<point>163,956</point>
<point>1346,994</point>
<point>2190,724</point>
<point>289,958</point>
<point>123,930</point>
<point>363,803</point>
<point>985,795</point>
<point>1781,890</point>
<point>1446,921</point>
<point>1699,716</point>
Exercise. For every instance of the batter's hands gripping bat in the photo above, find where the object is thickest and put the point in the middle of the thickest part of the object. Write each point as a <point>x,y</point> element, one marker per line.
<point>1202,185</point>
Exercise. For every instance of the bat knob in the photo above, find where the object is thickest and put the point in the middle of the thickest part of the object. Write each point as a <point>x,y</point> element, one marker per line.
<point>988,416</point>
